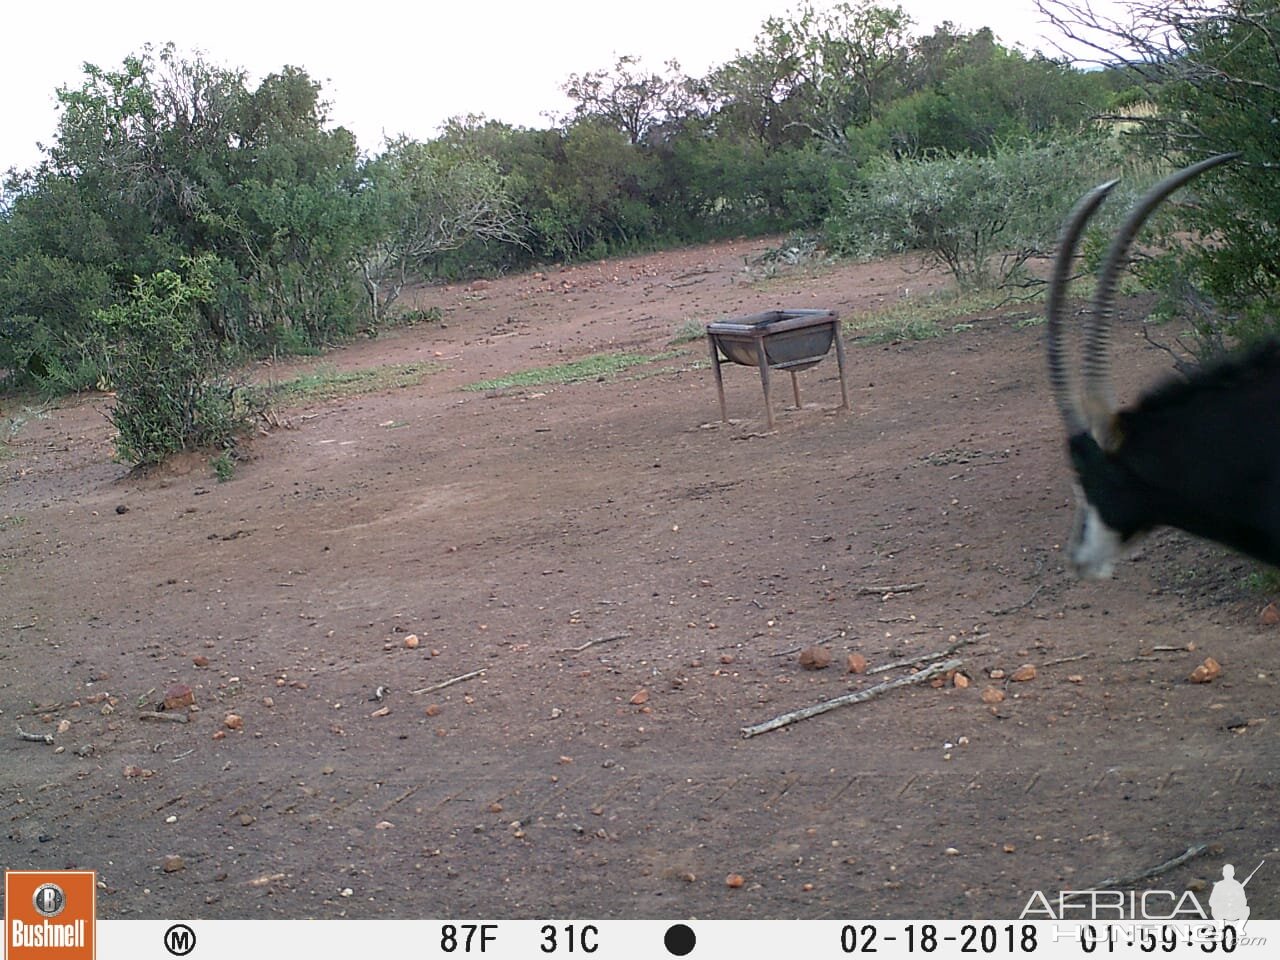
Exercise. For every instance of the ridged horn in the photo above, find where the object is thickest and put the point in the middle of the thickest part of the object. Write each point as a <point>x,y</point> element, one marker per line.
<point>1059,379</point>
<point>1097,394</point>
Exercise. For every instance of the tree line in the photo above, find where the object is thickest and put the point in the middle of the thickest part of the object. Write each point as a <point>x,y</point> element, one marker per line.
<point>271,231</point>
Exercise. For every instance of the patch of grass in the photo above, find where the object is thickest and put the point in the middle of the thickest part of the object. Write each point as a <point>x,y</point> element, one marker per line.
<point>599,366</point>
<point>924,318</point>
<point>11,425</point>
<point>11,522</point>
<point>224,466</point>
<point>689,331</point>
<point>326,382</point>
<point>1264,580</point>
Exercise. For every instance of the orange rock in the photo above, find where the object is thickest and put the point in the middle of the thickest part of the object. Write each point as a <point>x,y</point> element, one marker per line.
<point>815,658</point>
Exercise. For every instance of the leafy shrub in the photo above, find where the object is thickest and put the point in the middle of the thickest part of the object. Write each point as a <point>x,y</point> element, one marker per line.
<point>982,217</point>
<point>172,391</point>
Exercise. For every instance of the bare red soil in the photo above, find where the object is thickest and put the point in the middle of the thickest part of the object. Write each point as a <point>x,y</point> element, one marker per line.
<point>635,580</point>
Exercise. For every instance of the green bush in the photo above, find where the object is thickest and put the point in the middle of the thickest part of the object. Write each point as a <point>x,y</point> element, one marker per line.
<point>982,217</point>
<point>172,391</point>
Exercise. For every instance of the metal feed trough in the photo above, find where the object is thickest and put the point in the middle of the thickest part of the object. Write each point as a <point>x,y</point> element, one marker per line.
<point>791,340</point>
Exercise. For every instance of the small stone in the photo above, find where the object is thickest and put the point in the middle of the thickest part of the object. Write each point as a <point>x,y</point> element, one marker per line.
<point>1269,616</point>
<point>856,663</point>
<point>960,680</point>
<point>172,864</point>
<point>734,880</point>
<point>996,674</point>
<point>992,695</point>
<point>433,710</point>
<point>178,696</point>
<point>815,658</point>
<point>200,660</point>
<point>639,697</point>
<point>233,721</point>
<point>1206,672</point>
<point>1024,673</point>
<point>411,641</point>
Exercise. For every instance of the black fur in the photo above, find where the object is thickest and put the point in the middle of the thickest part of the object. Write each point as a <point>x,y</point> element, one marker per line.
<point>1202,455</point>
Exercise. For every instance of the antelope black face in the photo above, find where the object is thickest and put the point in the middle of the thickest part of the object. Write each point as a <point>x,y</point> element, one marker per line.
<point>1201,455</point>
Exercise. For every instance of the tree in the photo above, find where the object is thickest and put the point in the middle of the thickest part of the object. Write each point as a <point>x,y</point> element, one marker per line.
<point>429,202</point>
<point>816,73</point>
<point>629,99</point>
<point>1208,79</point>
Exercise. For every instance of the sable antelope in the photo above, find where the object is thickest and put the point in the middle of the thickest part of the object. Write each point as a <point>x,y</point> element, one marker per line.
<point>1200,454</point>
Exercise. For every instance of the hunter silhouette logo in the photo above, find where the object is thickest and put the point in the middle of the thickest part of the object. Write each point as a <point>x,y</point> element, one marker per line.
<point>1228,902</point>
<point>49,914</point>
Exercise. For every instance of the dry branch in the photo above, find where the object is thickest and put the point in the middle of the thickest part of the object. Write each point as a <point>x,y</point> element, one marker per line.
<point>592,643</point>
<point>33,737</point>
<point>804,713</point>
<point>446,683</point>
<point>1189,854</point>
<point>927,657</point>
<point>1018,606</point>
<point>895,588</point>
<point>1079,656</point>
<point>168,716</point>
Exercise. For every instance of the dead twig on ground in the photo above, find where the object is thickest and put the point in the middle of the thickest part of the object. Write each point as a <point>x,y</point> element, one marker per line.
<point>447,683</point>
<point>816,643</point>
<point>927,657</point>
<point>1078,656</point>
<point>1189,854</point>
<point>1018,606</point>
<point>165,716</point>
<point>895,588</point>
<point>928,673</point>
<point>33,737</point>
<point>592,643</point>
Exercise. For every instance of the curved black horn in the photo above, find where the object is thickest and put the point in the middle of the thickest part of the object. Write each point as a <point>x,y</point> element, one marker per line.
<point>1059,380</point>
<point>1097,396</point>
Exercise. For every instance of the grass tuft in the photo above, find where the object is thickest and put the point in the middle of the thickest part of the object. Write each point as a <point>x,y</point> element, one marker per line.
<point>599,366</point>
<point>326,382</point>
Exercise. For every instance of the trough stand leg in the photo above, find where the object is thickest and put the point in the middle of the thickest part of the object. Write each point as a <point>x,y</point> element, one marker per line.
<point>844,387</point>
<point>795,387</point>
<point>762,359</point>
<point>715,365</point>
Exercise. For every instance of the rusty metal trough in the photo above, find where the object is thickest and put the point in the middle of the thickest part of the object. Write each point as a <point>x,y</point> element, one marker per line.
<point>791,340</point>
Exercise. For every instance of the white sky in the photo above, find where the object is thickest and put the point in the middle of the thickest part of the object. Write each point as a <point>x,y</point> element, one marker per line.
<point>392,67</point>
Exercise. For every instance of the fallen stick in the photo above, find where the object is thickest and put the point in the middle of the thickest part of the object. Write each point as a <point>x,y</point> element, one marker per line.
<point>926,657</point>
<point>1018,606</point>
<point>1189,854</point>
<point>170,717</point>
<point>804,713</point>
<point>898,588</point>
<point>446,683</point>
<point>816,643</point>
<point>33,737</point>
<point>1078,656</point>
<point>592,643</point>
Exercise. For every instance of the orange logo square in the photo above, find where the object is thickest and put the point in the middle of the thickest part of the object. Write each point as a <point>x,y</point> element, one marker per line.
<point>49,914</point>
